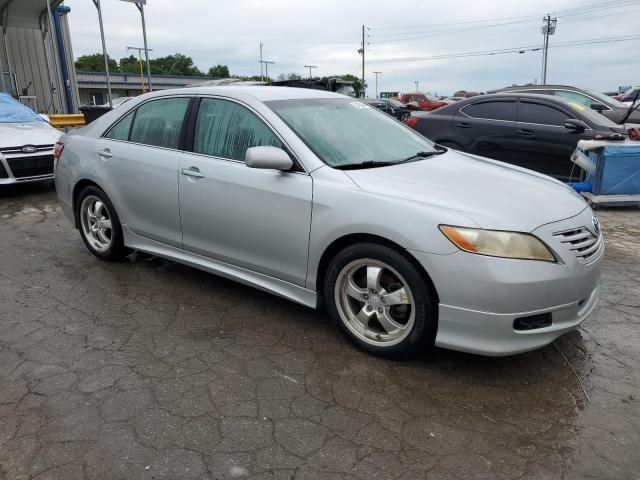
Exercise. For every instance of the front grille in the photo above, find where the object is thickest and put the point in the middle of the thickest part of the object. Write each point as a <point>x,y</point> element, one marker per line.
<point>35,166</point>
<point>584,244</point>
<point>3,171</point>
<point>18,150</point>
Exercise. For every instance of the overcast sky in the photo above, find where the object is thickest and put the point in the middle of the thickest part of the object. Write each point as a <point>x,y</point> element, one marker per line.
<point>327,33</point>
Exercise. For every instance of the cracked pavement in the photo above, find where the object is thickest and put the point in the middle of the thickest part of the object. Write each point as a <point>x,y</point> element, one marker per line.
<point>147,369</point>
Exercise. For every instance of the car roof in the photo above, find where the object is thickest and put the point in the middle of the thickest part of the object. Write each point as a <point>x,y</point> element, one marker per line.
<point>538,87</point>
<point>502,95</point>
<point>263,93</point>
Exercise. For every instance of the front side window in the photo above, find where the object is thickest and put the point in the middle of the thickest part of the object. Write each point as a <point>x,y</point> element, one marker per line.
<point>159,122</point>
<point>541,114</point>
<point>496,110</point>
<point>120,131</point>
<point>344,131</point>
<point>226,129</point>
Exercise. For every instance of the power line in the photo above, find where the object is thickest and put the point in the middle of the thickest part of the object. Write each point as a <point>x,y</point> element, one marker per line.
<point>520,49</point>
<point>558,13</point>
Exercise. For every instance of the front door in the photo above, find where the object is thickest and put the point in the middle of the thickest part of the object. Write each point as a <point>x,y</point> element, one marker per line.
<point>542,143</point>
<point>252,218</point>
<point>137,161</point>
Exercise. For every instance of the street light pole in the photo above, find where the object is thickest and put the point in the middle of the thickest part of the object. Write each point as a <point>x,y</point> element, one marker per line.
<point>310,67</point>
<point>376,73</point>
<point>104,51</point>
<point>140,6</point>
<point>261,65</point>
<point>416,82</point>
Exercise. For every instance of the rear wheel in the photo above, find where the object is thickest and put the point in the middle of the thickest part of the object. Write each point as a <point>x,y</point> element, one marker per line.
<point>99,225</point>
<point>381,301</point>
<point>404,117</point>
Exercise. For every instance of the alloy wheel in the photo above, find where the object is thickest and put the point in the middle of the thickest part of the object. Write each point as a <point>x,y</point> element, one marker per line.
<point>375,302</point>
<point>96,223</point>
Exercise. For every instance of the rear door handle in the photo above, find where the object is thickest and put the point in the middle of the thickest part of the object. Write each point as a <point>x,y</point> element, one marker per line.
<point>526,133</point>
<point>463,125</point>
<point>192,172</point>
<point>106,153</point>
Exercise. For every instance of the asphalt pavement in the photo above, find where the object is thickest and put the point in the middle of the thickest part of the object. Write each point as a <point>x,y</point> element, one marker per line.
<point>146,369</point>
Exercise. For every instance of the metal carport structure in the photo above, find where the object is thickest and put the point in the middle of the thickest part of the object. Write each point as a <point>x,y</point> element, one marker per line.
<point>36,59</point>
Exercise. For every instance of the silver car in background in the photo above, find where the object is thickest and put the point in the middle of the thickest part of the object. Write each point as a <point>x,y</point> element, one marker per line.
<point>323,200</point>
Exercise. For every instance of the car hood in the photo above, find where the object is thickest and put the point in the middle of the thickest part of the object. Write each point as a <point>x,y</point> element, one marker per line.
<point>493,194</point>
<point>32,133</point>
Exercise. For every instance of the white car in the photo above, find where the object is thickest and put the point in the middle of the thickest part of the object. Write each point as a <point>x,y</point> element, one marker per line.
<point>26,143</point>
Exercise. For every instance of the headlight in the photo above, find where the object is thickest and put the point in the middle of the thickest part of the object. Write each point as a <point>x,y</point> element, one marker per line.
<point>498,243</point>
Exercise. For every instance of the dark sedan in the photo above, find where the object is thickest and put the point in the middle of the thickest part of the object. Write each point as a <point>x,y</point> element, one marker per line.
<point>611,108</point>
<point>392,107</point>
<point>534,131</point>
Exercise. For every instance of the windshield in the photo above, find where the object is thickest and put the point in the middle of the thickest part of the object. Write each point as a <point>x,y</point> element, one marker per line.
<point>592,116</point>
<point>347,132</point>
<point>607,100</point>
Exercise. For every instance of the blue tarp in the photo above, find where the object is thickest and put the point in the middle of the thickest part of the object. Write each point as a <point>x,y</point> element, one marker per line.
<point>12,111</point>
<point>617,169</point>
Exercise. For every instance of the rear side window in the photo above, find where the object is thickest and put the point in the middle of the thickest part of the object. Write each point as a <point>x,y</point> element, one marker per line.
<point>496,110</point>
<point>541,114</point>
<point>120,131</point>
<point>159,122</point>
<point>226,129</point>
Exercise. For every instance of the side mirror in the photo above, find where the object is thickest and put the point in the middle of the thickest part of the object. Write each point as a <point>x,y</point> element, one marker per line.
<point>272,158</point>
<point>44,117</point>
<point>598,107</point>
<point>575,125</point>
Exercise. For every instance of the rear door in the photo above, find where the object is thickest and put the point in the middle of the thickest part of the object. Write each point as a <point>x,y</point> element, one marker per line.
<point>542,143</point>
<point>487,128</point>
<point>137,162</point>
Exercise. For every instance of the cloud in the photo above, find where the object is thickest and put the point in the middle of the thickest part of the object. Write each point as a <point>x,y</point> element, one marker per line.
<point>328,34</point>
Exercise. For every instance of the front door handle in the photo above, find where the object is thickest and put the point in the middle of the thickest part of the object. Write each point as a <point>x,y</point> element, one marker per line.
<point>106,153</point>
<point>525,132</point>
<point>463,125</point>
<point>192,172</point>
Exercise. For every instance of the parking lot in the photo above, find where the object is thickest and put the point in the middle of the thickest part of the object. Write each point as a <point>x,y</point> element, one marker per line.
<point>148,369</point>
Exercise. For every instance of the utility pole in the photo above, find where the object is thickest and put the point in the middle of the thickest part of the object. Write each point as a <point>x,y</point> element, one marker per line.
<point>363,89</point>
<point>549,28</point>
<point>376,73</point>
<point>140,6</point>
<point>140,50</point>
<point>416,82</point>
<point>266,68</point>
<point>261,65</point>
<point>310,67</point>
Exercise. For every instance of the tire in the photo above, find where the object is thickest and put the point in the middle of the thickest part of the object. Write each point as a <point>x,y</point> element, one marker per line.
<point>451,145</point>
<point>366,315</point>
<point>99,225</point>
<point>404,117</point>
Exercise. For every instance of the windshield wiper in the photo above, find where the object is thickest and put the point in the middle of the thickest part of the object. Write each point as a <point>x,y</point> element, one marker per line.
<point>365,164</point>
<point>420,155</point>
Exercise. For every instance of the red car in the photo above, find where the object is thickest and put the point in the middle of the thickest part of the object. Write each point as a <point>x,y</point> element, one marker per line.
<point>424,102</point>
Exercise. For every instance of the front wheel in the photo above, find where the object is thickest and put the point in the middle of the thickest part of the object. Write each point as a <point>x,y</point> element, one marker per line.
<point>99,225</point>
<point>381,301</point>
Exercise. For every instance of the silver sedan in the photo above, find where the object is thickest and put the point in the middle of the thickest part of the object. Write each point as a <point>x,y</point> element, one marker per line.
<point>323,200</point>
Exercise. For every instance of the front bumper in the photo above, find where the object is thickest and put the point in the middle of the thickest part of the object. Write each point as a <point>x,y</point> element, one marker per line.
<point>481,297</point>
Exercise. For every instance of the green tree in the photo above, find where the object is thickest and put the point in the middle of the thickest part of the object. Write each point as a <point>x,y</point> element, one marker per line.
<point>130,64</point>
<point>95,63</point>
<point>221,71</point>
<point>177,64</point>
